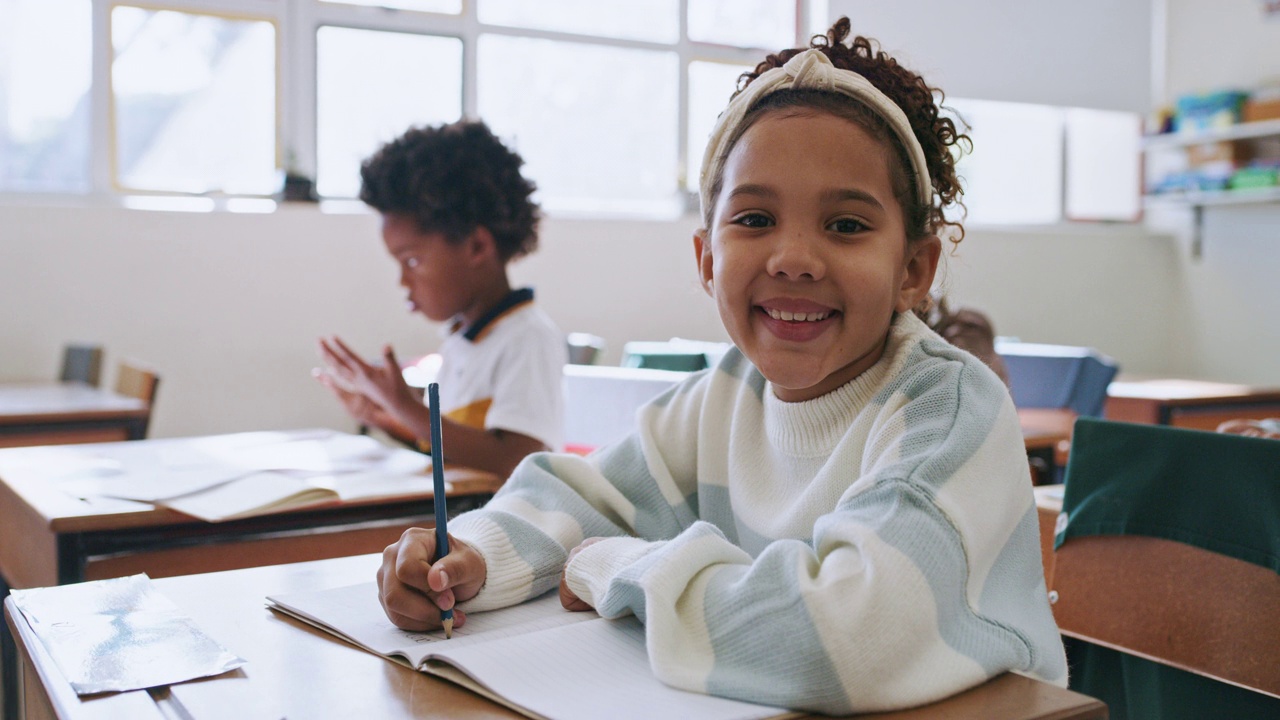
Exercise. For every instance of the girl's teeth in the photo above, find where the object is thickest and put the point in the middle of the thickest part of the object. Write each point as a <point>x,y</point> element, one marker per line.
<point>786,316</point>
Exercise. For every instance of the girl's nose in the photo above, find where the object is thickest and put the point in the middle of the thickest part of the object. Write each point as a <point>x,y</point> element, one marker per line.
<point>796,256</point>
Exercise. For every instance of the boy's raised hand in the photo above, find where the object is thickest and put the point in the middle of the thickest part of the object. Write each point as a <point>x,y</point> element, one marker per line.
<point>413,590</point>
<point>382,384</point>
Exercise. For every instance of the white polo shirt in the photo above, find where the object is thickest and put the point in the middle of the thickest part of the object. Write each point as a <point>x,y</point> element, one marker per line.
<point>505,371</point>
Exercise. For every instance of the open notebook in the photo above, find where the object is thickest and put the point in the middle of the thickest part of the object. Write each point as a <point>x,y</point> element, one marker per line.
<point>535,658</point>
<point>226,477</point>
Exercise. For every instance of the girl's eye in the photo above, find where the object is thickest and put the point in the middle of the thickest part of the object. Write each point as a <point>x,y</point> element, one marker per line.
<point>847,226</point>
<point>753,220</point>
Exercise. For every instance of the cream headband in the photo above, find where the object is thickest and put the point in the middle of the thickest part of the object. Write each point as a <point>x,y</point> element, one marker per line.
<point>813,70</point>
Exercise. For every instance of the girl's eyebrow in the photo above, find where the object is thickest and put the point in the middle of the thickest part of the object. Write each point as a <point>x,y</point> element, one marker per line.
<point>854,195</point>
<point>754,190</point>
<point>829,196</point>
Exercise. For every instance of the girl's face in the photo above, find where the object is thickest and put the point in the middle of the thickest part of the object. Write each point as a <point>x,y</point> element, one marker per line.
<point>807,257</point>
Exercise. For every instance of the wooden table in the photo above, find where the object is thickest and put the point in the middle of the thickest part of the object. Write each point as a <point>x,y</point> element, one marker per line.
<point>41,413</point>
<point>1047,435</point>
<point>1188,403</point>
<point>49,537</point>
<point>298,672</point>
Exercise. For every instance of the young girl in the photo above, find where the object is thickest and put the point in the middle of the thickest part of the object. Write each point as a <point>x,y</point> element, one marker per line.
<point>836,518</point>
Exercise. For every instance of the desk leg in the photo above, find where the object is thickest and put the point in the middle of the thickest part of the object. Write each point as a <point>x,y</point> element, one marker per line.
<point>8,663</point>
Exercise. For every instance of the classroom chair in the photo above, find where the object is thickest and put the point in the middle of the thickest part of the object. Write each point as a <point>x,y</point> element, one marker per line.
<point>1057,376</point>
<point>139,381</point>
<point>676,354</point>
<point>584,348</point>
<point>1166,571</point>
<point>81,363</point>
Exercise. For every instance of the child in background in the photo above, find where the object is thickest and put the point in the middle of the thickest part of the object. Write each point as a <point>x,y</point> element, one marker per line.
<point>837,517</point>
<point>455,210</point>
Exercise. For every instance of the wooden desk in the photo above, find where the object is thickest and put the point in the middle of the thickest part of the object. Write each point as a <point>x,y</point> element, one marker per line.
<point>44,413</point>
<point>1047,435</point>
<point>49,537</point>
<point>1188,403</point>
<point>298,672</point>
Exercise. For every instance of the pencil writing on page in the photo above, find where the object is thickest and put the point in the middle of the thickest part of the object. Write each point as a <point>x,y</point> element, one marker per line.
<point>437,478</point>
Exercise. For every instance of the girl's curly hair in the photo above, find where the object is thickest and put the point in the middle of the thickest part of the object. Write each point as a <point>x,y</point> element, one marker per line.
<point>937,134</point>
<point>452,179</point>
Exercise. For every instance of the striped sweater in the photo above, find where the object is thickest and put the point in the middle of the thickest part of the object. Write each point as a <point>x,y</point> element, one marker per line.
<point>871,549</point>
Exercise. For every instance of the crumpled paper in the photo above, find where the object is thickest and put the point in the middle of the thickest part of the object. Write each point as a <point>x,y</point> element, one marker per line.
<point>120,634</point>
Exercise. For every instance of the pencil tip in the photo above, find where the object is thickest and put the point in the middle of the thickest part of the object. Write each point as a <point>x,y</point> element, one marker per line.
<point>448,628</point>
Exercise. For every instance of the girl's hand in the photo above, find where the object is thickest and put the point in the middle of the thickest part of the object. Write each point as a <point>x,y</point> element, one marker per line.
<point>568,599</point>
<point>413,590</point>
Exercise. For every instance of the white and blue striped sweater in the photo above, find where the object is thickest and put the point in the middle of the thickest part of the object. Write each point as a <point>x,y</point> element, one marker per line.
<point>871,549</point>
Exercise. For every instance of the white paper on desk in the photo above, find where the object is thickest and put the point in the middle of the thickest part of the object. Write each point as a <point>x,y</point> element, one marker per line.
<point>150,485</point>
<point>120,634</point>
<point>312,452</point>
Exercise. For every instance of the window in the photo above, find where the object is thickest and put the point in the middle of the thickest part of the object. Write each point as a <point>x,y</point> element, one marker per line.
<point>45,72</point>
<point>370,86</point>
<point>652,20</point>
<point>1041,164</point>
<point>196,104</point>
<point>193,102</point>
<point>596,125</point>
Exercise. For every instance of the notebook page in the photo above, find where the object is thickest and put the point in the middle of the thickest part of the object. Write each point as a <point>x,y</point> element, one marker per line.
<point>250,495</point>
<point>588,671</point>
<point>354,613</point>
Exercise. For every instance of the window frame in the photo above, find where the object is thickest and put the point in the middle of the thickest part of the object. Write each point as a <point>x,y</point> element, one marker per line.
<point>297,22</point>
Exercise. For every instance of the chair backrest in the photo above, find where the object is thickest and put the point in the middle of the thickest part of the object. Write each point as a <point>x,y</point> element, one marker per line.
<point>1057,376</point>
<point>584,348</point>
<point>1174,604</point>
<point>82,363</point>
<point>138,381</point>
<point>1169,551</point>
<point>677,354</point>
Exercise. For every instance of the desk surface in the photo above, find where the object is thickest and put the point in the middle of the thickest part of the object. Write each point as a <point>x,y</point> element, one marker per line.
<point>38,402</point>
<point>1188,391</point>
<point>1188,403</point>
<point>44,529</point>
<point>1044,428</point>
<point>297,671</point>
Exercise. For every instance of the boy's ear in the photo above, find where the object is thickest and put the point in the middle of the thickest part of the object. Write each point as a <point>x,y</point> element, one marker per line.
<point>921,266</point>
<point>706,266</point>
<point>480,244</point>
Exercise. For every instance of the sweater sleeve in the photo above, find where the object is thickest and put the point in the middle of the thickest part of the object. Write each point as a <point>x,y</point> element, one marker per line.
<point>552,502</point>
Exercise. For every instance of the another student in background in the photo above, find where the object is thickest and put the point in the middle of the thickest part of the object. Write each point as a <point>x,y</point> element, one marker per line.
<point>967,329</point>
<point>455,210</point>
<point>837,517</point>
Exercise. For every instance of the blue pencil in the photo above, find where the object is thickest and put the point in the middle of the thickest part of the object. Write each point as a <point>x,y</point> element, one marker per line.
<point>437,477</point>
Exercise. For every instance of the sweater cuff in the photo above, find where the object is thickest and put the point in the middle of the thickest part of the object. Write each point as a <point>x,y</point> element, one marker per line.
<point>508,577</point>
<point>589,573</point>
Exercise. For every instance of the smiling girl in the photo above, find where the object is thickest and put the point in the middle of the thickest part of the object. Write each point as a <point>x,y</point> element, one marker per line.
<point>838,517</point>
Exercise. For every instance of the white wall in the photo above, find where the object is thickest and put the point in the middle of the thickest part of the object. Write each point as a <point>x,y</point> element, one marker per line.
<point>1085,53</point>
<point>228,306</point>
